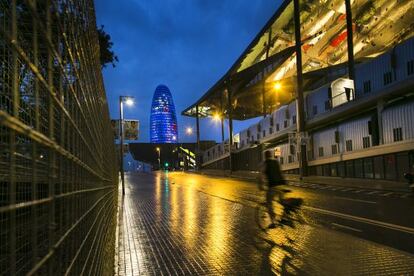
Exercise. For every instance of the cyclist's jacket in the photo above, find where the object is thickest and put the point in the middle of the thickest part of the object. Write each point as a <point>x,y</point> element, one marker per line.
<point>273,173</point>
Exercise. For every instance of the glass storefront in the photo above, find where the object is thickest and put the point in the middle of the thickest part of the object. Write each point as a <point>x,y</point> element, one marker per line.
<point>389,167</point>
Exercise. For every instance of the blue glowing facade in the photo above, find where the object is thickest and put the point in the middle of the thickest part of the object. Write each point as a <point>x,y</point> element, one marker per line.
<point>163,128</point>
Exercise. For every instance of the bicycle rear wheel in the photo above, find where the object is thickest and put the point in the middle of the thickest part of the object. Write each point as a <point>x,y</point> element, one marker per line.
<point>262,217</point>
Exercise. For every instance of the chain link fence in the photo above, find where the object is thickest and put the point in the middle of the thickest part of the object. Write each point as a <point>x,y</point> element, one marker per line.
<point>58,165</point>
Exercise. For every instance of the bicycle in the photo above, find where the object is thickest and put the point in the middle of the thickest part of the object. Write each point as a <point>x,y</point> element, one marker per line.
<point>291,214</point>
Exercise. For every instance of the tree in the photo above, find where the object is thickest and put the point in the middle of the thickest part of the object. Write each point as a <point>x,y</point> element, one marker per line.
<point>105,45</point>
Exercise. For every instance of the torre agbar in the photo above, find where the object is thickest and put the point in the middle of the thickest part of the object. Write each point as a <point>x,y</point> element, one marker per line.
<point>163,119</point>
<point>333,83</point>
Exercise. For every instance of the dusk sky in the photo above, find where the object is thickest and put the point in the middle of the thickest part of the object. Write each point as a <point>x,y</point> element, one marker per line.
<point>185,44</point>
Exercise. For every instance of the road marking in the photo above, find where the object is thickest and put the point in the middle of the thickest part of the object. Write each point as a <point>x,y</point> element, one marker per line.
<point>373,192</point>
<point>357,200</point>
<point>387,225</point>
<point>346,227</point>
<point>388,194</point>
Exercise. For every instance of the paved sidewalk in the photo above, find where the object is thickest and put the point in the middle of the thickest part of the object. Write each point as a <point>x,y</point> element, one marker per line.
<point>172,226</point>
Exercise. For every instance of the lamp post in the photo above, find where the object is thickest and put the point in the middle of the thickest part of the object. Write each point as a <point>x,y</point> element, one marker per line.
<point>128,101</point>
<point>158,149</point>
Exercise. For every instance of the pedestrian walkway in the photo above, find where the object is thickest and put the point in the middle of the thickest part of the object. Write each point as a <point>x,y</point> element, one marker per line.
<point>169,225</point>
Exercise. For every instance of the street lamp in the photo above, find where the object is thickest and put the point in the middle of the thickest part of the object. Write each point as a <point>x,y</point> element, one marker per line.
<point>189,131</point>
<point>128,100</point>
<point>216,117</point>
<point>277,86</point>
<point>159,157</point>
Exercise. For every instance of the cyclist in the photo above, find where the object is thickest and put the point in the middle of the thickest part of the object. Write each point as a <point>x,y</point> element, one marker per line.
<point>271,171</point>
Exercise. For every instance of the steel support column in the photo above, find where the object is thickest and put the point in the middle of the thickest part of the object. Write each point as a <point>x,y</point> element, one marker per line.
<point>264,109</point>
<point>222,119</point>
<point>198,137</point>
<point>350,40</point>
<point>230,115</point>
<point>300,118</point>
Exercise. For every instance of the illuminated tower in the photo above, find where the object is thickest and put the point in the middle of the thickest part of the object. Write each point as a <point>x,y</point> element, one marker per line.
<point>163,121</point>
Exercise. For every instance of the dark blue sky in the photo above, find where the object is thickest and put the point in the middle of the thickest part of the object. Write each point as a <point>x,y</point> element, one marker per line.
<point>185,44</point>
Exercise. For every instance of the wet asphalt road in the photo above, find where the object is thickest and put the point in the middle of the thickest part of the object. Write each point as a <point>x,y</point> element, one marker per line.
<point>388,221</point>
<point>186,224</point>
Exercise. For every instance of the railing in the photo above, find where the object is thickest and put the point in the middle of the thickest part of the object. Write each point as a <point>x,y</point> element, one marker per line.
<point>58,168</point>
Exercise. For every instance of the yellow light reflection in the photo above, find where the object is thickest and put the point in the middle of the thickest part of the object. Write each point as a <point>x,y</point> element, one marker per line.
<point>158,195</point>
<point>277,86</point>
<point>218,231</point>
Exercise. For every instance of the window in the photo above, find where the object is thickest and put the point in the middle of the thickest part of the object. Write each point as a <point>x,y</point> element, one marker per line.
<point>387,78</point>
<point>334,149</point>
<point>397,133</point>
<point>379,167</point>
<point>390,167</point>
<point>271,121</point>
<point>294,119</point>
<point>327,105</point>
<point>290,159</point>
<point>348,145</point>
<point>258,136</point>
<point>349,167</point>
<point>285,124</point>
<point>281,160</point>
<point>314,109</point>
<point>320,151</point>
<point>368,168</point>
<point>366,143</point>
<point>259,127</point>
<point>270,130</point>
<point>367,86</point>
<point>252,138</point>
<point>248,132</point>
<point>264,133</point>
<point>277,127</point>
<point>358,168</point>
<point>287,113</point>
<point>410,67</point>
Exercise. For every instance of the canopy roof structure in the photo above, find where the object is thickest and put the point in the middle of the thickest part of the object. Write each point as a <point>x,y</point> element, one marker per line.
<point>270,58</point>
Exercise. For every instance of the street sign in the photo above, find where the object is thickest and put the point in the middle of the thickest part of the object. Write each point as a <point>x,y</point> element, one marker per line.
<point>131,129</point>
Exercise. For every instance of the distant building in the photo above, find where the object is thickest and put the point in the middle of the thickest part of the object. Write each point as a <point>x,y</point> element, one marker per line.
<point>163,121</point>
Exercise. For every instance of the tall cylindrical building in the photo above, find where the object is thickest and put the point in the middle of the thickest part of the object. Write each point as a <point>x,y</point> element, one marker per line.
<point>163,121</point>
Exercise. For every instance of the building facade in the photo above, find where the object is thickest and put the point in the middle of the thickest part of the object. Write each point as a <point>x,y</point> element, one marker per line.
<point>368,135</point>
<point>163,121</point>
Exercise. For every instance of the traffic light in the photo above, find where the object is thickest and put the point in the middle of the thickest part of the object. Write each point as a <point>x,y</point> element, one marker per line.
<point>166,164</point>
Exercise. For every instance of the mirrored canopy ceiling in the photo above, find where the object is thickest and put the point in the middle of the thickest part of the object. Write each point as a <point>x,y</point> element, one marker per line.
<point>378,25</point>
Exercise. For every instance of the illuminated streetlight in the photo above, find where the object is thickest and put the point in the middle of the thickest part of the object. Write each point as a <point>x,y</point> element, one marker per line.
<point>216,117</point>
<point>189,131</point>
<point>277,86</point>
<point>128,100</point>
<point>158,149</point>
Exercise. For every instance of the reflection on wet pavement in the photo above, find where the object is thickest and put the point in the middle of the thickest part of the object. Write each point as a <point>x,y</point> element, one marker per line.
<point>186,224</point>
